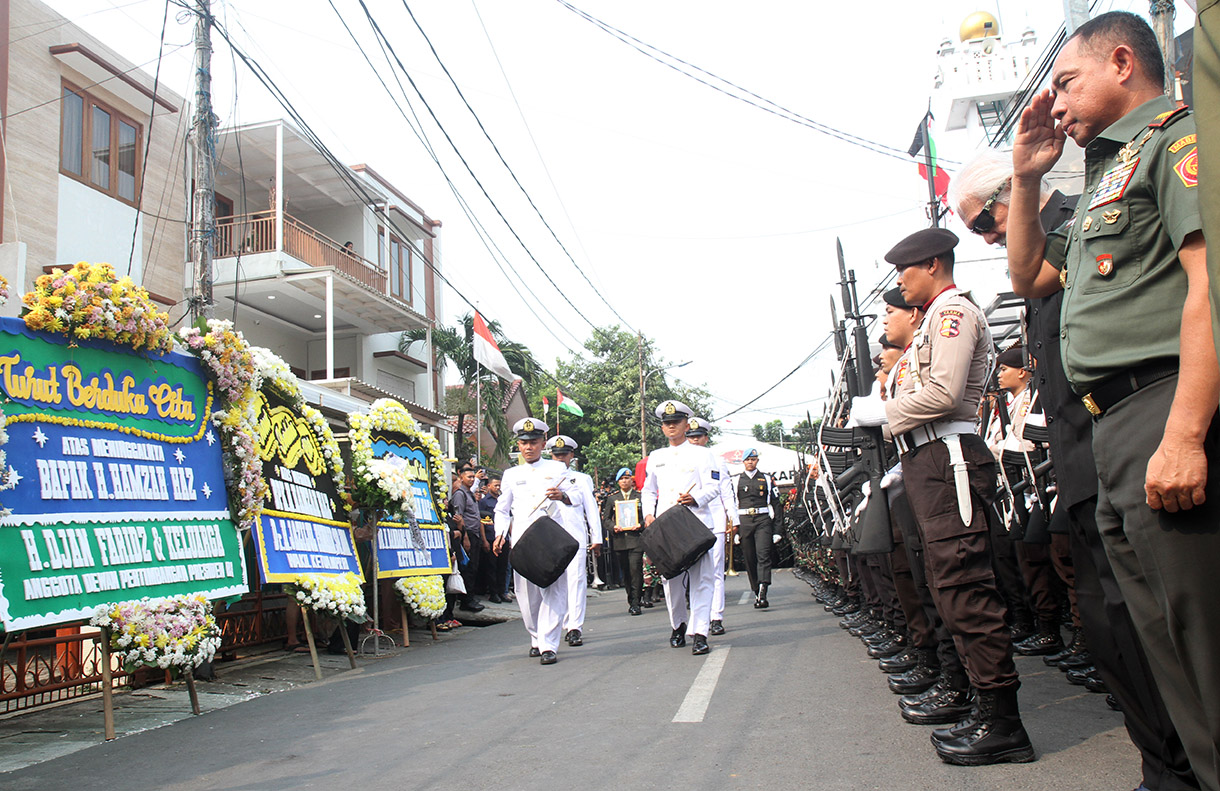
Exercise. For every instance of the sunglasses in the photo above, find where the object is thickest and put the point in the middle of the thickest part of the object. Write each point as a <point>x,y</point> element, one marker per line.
<point>985,222</point>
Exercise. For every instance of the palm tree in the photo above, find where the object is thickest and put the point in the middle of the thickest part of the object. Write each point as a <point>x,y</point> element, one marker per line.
<point>455,346</point>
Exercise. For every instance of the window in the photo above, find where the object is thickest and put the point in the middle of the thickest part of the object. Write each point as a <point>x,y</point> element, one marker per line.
<point>98,146</point>
<point>400,270</point>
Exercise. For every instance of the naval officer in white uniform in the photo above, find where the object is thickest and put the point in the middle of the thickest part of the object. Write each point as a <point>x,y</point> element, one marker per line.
<point>724,511</point>
<point>683,474</point>
<point>583,521</point>
<point>535,487</point>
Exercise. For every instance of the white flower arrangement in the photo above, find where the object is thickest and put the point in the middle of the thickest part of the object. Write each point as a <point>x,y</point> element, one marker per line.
<point>338,595</point>
<point>424,595</point>
<point>383,483</point>
<point>175,632</point>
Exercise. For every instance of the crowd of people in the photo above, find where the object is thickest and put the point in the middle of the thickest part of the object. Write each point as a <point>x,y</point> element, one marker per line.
<point>1076,490</point>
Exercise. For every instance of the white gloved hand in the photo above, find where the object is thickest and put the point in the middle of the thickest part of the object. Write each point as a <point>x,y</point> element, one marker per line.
<point>868,411</point>
<point>891,478</point>
<point>775,538</point>
<point>736,538</point>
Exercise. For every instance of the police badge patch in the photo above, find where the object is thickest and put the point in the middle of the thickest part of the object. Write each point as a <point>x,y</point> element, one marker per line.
<point>950,327</point>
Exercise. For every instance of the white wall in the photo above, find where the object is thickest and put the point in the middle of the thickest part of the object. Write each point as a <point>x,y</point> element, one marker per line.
<point>96,228</point>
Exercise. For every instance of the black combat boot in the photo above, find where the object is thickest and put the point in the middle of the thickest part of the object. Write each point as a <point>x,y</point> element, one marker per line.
<point>891,648</point>
<point>919,678</point>
<point>1075,645</point>
<point>997,735</point>
<point>760,601</point>
<point>1045,641</point>
<point>900,662</point>
<point>953,703</point>
<point>1022,628</point>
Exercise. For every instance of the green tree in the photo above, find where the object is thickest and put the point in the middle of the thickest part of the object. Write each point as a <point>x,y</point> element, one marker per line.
<point>802,434</point>
<point>772,431</point>
<point>454,346</point>
<point>606,383</point>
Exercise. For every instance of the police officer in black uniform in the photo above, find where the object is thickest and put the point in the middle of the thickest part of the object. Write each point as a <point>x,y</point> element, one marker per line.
<point>757,503</point>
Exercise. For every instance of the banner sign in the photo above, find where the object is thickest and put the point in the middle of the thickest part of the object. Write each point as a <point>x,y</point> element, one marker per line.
<point>119,486</point>
<point>304,527</point>
<point>399,554</point>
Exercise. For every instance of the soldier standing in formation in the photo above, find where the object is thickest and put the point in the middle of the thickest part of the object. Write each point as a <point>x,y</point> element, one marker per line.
<point>1135,319</point>
<point>683,474</point>
<point>950,479</point>
<point>724,513</point>
<point>757,500</point>
<point>535,487</point>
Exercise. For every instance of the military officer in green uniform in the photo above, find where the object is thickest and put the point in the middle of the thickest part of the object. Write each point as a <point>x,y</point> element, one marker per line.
<point>1135,324</point>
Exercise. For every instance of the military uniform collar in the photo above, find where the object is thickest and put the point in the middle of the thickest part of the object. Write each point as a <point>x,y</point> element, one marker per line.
<point>1137,120</point>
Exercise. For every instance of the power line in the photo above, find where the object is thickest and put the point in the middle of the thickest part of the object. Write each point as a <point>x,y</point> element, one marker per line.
<point>507,167</point>
<point>152,117</point>
<point>762,103</point>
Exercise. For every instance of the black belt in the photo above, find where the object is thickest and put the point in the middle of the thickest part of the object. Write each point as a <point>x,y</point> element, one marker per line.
<point>1119,386</point>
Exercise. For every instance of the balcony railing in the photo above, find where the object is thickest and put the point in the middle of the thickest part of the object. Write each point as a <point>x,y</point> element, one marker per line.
<point>247,234</point>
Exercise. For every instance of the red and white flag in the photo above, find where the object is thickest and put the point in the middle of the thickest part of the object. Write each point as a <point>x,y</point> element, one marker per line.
<point>546,406</point>
<point>487,353</point>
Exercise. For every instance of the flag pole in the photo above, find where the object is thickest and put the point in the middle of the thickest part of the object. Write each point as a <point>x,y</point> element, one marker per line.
<point>478,411</point>
<point>933,202</point>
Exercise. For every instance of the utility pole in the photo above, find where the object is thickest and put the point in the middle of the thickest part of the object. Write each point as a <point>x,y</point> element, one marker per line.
<point>639,352</point>
<point>203,132</point>
<point>1161,12</point>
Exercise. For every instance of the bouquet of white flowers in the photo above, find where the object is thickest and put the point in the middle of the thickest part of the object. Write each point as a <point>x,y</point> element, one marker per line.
<point>338,595</point>
<point>424,595</point>
<point>177,632</point>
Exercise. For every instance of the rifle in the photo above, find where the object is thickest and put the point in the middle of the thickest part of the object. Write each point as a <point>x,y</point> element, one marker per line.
<point>871,533</point>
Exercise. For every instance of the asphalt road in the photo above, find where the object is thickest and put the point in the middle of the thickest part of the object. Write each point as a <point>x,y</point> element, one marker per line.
<point>786,700</point>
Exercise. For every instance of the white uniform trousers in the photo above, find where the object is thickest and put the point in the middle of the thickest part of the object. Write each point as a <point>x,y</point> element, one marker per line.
<point>698,579</point>
<point>543,610</point>
<point>576,582</point>
<point>717,553</point>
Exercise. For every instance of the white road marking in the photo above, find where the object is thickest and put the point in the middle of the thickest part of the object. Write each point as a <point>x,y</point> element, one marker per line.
<point>694,706</point>
<point>746,596</point>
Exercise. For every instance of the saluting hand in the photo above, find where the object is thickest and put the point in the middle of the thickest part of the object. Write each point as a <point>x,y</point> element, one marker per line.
<point>1039,141</point>
<point>1177,475</point>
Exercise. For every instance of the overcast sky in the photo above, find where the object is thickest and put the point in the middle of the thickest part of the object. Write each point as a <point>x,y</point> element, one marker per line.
<point>706,223</point>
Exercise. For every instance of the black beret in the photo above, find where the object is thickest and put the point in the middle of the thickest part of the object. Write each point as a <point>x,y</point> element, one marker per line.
<point>894,297</point>
<point>1011,357</point>
<point>922,246</point>
<point>886,343</point>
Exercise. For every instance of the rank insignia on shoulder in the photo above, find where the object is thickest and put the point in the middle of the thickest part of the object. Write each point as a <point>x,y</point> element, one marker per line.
<point>950,327</point>
<point>715,475</point>
<point>1163,118</point>
<point>1188,168</point>
<point>1181,143</point>
<point>1105,264</point>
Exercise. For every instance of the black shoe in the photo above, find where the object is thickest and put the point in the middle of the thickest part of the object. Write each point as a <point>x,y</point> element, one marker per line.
<point>1046,641</point>
<point>882,635</point>
<point>1022,628</point>
<point>716,629</point>
<point>864,629</point>
<point>495,599</point>
<point>1075,646</point>
<point>1094,683</point>
<point>1080,676</point>
<point>956,731</point>
<point>574,639</point>
<point>916,680</point>
<point>1076,661</point>
<point>894,647</point>
<point>700,646</point>
<point>945,708</point>
<point>1113,703</point>
<point>678,638</point>
<point>937,686</point>
<point>996,737</point>
<point>900,662</point>
<point>761,601</point>
<point>548,658</point>
<point>535,652</point>
<point>633,611</point>
<point>471,606</point>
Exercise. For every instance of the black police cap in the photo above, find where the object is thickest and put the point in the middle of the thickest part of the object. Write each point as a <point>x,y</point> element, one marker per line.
<point>922,246</point>
<point>894,297</point>
<point>1011,357</point>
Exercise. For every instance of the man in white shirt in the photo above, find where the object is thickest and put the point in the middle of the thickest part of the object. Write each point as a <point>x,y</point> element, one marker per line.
<point>582,521</point>
<point>724,511</point>
<point>683,474</point>
<point>534,488</point>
